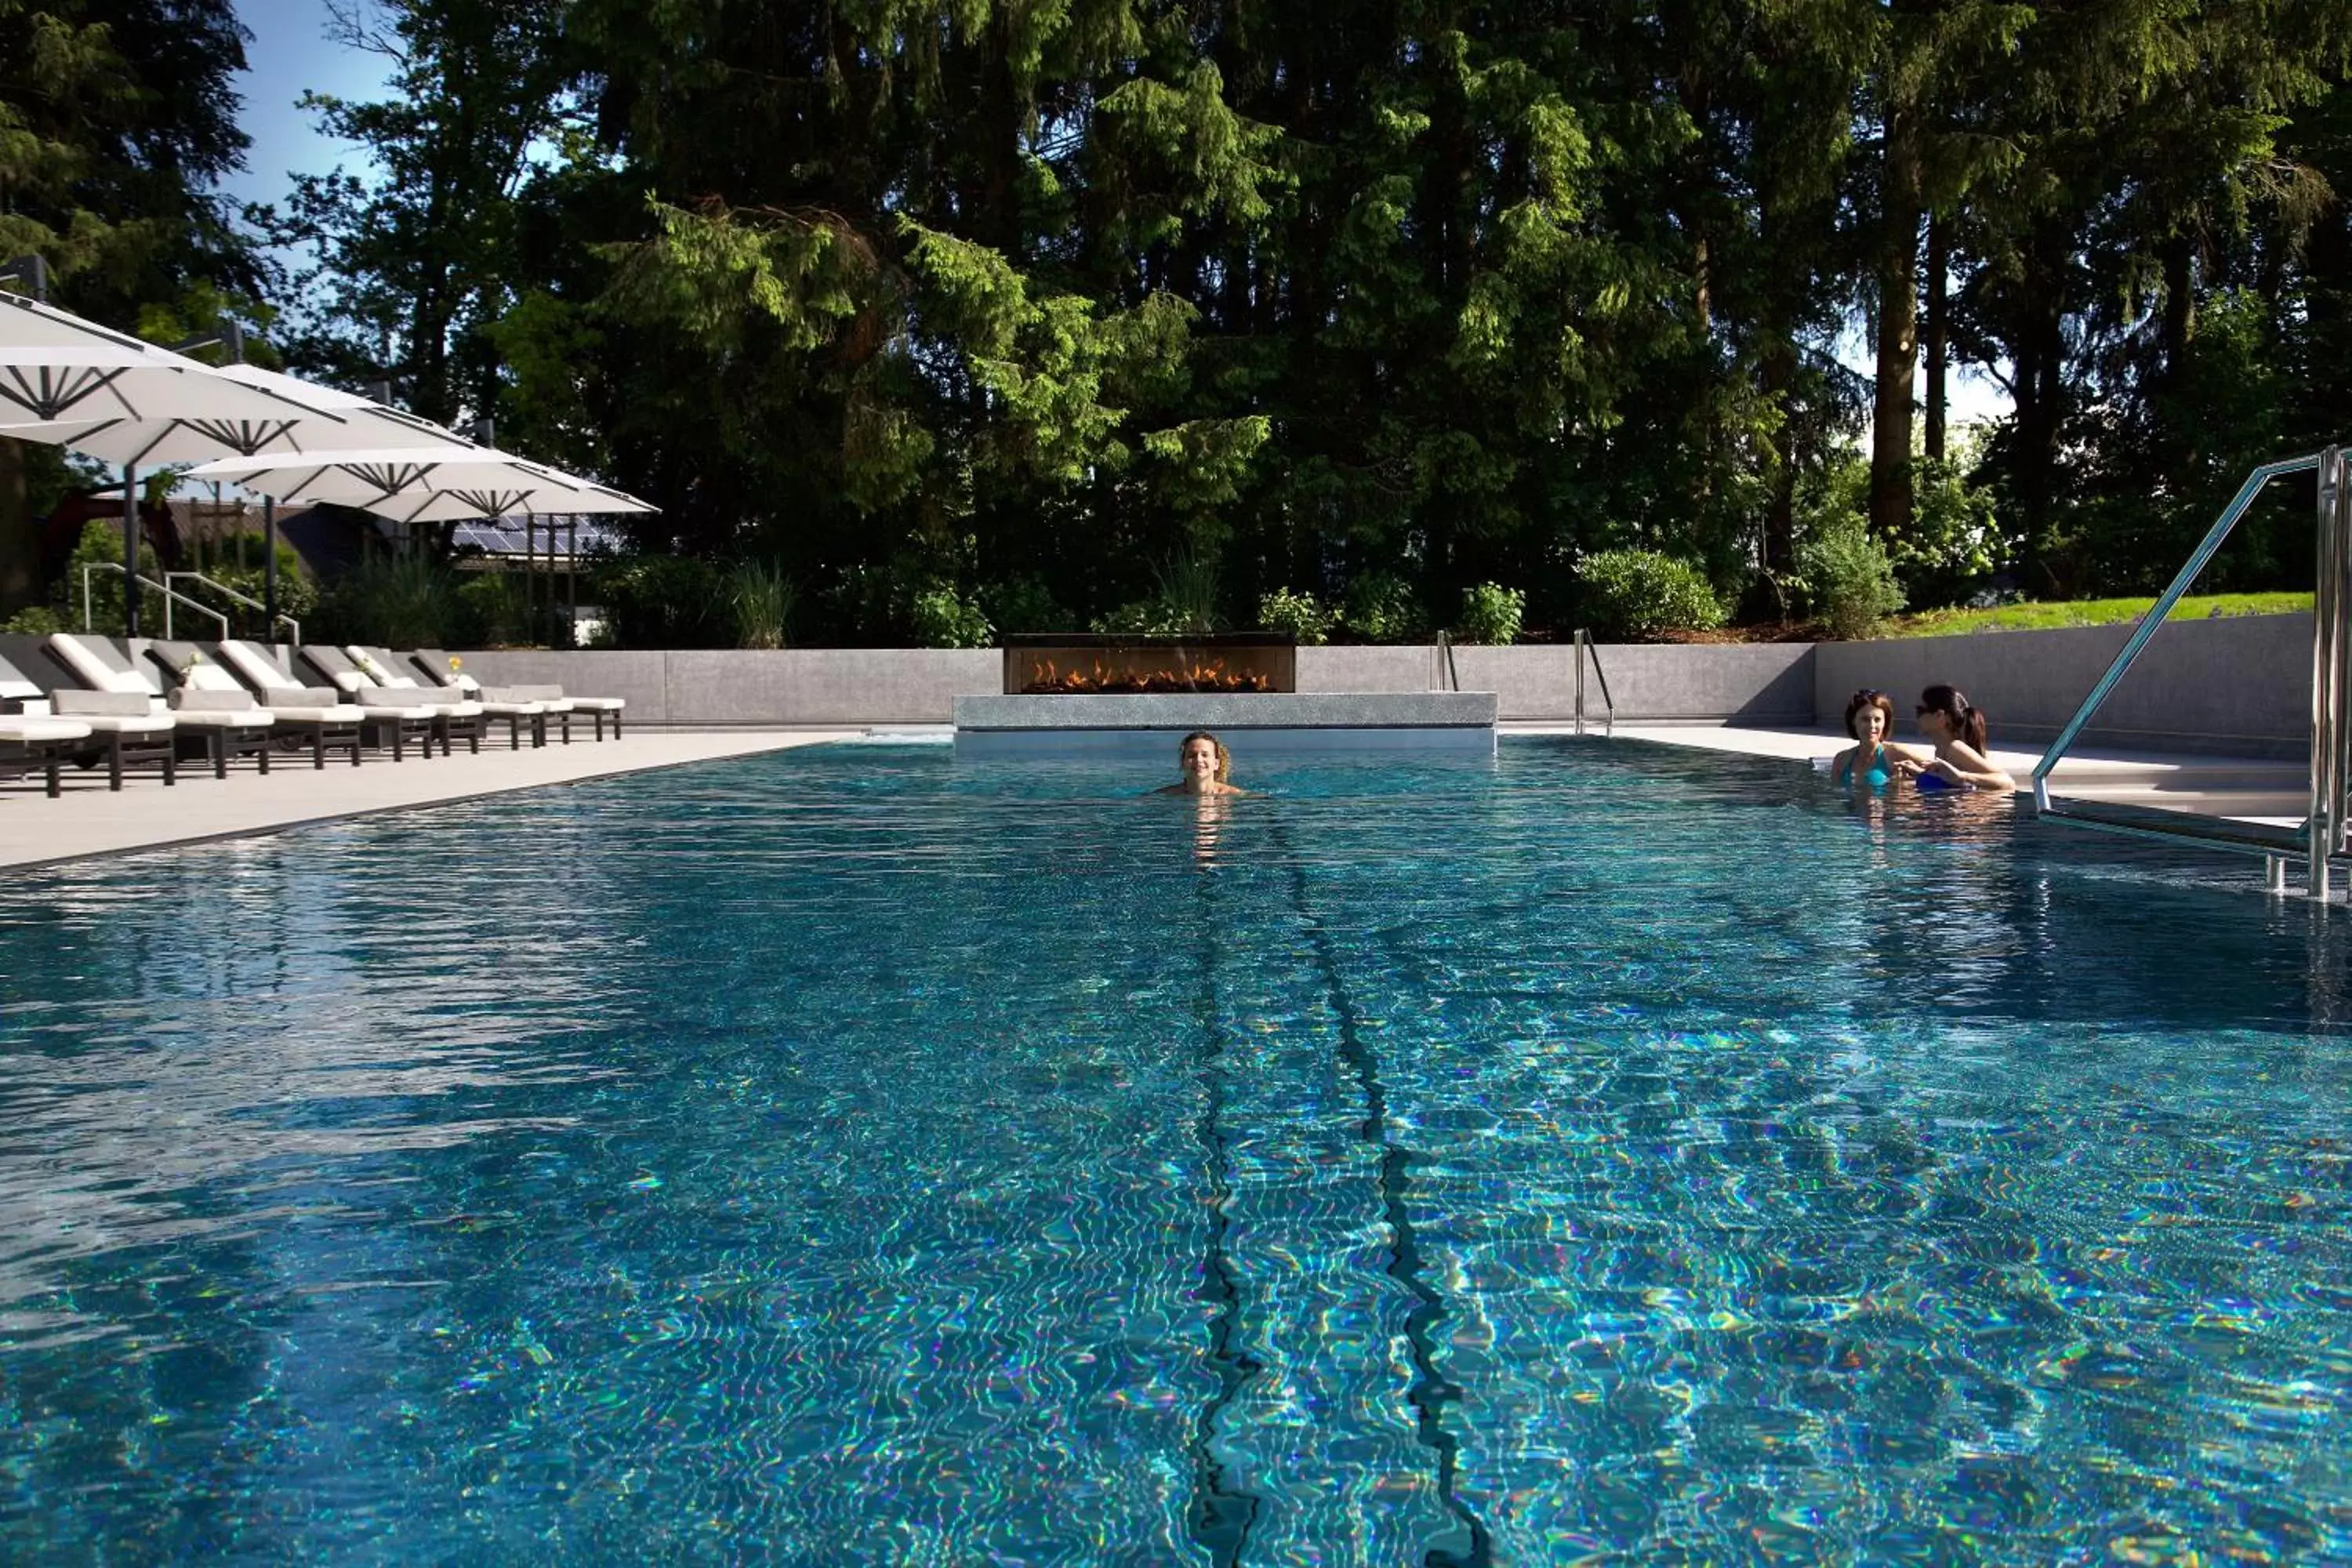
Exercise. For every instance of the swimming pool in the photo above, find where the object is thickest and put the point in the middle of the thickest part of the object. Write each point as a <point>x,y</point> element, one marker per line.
<point>847,1156</point>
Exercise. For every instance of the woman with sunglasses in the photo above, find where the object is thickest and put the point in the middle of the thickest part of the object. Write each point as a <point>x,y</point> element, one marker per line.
<point>1868,763</point>
<point>1957,729</point>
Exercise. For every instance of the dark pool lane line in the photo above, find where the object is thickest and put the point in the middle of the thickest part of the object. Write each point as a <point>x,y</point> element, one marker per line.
<point>1431,1391</point>
<point>1222,1512</point>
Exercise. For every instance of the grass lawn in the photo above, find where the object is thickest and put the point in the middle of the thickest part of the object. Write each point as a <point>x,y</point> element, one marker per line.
<point>2033,616</point>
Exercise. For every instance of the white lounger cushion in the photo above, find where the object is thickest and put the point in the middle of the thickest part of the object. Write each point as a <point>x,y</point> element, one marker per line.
<point>100,674</point>
<point>113,712</point>
<point>311,705</point>
<point>258,668</point>
<point>219,710</point>
<point>25,731</point>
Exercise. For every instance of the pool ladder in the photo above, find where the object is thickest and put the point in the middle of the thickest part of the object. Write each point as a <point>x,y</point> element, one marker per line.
<point>2322,839</point>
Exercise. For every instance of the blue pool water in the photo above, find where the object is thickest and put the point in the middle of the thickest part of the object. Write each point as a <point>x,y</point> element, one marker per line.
<point>849,1156</point>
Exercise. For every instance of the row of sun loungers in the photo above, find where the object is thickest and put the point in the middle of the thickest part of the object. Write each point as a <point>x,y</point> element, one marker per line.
<point>238,699</point>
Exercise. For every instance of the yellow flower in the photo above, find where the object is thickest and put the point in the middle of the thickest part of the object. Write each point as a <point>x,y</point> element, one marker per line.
<point>457,663</point>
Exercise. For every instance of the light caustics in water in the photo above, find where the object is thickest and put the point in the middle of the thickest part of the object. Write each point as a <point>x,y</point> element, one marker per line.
<point>854,1156</point>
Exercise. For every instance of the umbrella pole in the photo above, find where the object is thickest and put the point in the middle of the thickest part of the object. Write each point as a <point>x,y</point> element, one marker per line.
<point>130,551</point>
<point>269,566</point>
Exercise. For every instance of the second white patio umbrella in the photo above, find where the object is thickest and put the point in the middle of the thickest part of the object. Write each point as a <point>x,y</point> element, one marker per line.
<point>58,371</point>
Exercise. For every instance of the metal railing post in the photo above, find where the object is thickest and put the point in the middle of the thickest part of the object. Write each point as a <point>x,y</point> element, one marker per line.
<point>1580,680</point>
<point>2323,825</point>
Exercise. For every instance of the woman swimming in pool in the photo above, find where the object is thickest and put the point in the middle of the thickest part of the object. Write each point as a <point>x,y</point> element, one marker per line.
<point>1867,764</point>
<point>1957,729</point>
<point>1205,767</point>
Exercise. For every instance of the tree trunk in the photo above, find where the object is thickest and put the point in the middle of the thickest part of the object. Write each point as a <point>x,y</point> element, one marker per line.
<point>1778,372</point>
<point>20,540</point>
<point>1939,331</point>
<point>1898,332</point>
<point>2180,302</point>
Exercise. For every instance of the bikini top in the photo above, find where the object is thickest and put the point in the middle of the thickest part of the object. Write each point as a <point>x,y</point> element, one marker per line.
<point>1876,778</point>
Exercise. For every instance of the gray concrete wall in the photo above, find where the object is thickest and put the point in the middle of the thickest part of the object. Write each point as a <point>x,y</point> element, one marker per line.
<point>1761,684</point>
<point>2239,685</point>
<point>1723,683</point>
<point>717,687</point>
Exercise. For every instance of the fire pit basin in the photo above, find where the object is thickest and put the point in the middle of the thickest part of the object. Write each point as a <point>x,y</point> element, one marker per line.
<point>1076,664</point>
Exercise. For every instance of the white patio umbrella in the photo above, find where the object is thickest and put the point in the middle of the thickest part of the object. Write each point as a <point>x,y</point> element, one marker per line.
<point>60,375</point>
<point>423,484</point>
<point>315,416</point>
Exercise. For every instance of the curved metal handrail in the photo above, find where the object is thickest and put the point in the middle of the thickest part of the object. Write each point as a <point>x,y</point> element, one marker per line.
<point>1586,649</point>
<point>171,595</point>
<point>247,600</point>
<point>2148,623</point>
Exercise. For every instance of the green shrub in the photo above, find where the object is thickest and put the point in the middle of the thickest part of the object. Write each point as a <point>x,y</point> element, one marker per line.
<point>1298,615</point>
<point>493,611</point>
<point>1849,580</point>
<point>1639,593</point>
<point>397,599</point>
<point>664,601</point>
<point>1491,614</point>
<point>1022,605</point>
<point>1188,593</point>
<point>761,598</point>
<point>101,545</point>
<point>1378,608</point>
<point>945,618</point>
<point>37,620</point>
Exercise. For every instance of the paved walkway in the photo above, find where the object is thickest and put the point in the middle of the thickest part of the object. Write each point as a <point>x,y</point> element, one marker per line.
<point>2256,789</point>
<point>90,819</point>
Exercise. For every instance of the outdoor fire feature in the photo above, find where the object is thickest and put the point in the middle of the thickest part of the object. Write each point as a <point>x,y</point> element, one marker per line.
<point>1072,664</point>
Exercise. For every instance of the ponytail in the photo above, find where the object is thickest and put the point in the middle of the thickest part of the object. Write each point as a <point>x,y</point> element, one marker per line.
<point>1967,720</point>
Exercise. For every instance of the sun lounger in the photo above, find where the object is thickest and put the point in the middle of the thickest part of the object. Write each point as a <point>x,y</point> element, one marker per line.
<point>28,741</point>
<point>388,671</point>
<point>444,668</point>
<point>300,713</point>
<point>391,721</point>
<point>448,719</point>
<point>121,728</point>
<point>98,664</point>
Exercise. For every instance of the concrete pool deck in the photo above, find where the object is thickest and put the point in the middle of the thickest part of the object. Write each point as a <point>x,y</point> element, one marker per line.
<point>2249,789</point>
<point>90,819</point>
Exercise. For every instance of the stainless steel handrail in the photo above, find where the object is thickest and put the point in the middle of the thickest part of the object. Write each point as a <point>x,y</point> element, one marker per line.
<point>1450,677</point>
<point>1587,649</point>
<point>2155,617</point>
<point>171,594</point>
<point>247,600</point>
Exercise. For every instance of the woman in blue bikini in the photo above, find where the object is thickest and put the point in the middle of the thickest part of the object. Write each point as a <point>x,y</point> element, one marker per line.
<point>1867,764</point>
<point>1957,729</point>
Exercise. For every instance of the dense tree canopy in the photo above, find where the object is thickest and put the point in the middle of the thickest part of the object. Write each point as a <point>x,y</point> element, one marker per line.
<point>1042,310</point>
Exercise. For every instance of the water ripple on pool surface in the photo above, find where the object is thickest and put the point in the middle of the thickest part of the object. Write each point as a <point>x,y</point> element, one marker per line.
<point>851,1156</point>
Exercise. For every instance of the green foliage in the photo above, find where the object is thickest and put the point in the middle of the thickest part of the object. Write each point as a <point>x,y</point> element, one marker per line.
<point>761,598</point>
<point>1378,608</point>
<point>39,620</point>
<point>494,611</point>
<point>1637,594</point>
<point>1491,614</point>
<point>1022,605</point>
<point>945,618</point>
<point>664,601</point>
<point>1849,579</point>
<point>392,599</point>
<point>101,546</point>
<point>1298,617</point>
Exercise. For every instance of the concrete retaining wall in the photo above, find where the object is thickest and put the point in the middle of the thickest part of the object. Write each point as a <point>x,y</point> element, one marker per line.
<point>1756,685</point>
<point>2239,685</point>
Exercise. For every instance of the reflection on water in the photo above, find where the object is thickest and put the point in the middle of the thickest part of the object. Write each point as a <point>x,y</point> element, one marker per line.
<point>850,1156</point>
